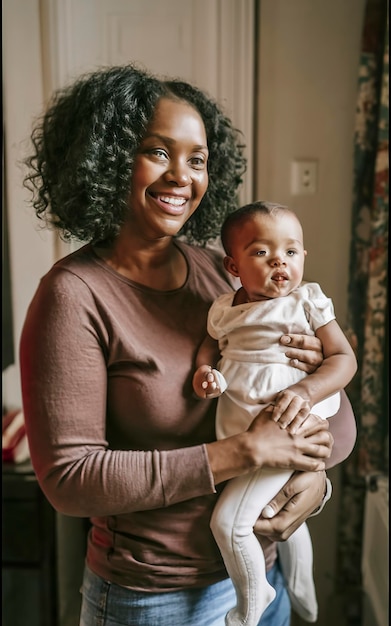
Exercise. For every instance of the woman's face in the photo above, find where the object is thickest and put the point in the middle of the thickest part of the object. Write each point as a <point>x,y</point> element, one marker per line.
<point>170,174</point>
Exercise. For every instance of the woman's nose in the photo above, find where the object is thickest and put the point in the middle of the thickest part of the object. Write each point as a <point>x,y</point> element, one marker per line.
<point>178,173</point>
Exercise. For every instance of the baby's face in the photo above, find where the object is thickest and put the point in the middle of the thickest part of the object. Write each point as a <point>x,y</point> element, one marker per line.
<point>268,255</point>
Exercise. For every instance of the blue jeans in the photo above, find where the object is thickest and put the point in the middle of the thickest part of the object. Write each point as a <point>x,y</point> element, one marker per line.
<point>107,604</point>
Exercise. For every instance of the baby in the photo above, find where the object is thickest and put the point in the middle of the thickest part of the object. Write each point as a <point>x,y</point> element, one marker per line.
<point>264,248</point>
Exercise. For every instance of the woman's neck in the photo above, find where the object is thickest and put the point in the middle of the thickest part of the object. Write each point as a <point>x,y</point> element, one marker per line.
<point>159,265</point>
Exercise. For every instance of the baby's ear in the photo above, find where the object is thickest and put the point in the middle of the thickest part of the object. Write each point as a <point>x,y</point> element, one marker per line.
<point>230,266</point>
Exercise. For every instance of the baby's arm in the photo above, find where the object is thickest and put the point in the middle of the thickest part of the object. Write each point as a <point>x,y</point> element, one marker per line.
<point>292,406</point>
<point>207,381</point>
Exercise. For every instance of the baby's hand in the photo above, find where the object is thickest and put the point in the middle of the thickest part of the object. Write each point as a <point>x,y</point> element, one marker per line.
<point>290,410</point>
<point>208,382</point>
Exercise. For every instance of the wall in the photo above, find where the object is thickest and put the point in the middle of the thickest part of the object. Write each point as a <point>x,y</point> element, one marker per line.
<point>307,82</point>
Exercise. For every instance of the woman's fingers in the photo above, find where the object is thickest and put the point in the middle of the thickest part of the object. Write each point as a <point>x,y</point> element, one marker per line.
<point>292,505</point>
<point>304,351</point>
<point>303,342</point>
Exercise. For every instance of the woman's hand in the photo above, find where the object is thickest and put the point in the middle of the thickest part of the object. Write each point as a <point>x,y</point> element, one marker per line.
<point>265,444</point>
<point>304,351</point>
<point>273,447</point>
<point>293,504</point>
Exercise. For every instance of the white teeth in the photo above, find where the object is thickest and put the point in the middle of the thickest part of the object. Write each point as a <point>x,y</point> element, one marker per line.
<point>173,201</point>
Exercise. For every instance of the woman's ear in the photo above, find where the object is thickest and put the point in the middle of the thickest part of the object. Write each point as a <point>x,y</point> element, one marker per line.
<point>230,266</point>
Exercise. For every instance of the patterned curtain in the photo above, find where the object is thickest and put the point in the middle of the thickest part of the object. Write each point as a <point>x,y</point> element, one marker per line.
<point>368,299</point>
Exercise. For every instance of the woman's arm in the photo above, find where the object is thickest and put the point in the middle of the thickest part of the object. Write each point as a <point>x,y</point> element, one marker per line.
<point>344,431</point>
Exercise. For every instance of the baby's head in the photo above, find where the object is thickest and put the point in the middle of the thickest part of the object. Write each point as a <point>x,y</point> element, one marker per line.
<point>264,247</point>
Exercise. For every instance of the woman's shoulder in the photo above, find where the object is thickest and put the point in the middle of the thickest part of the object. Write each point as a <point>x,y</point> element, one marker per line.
<point>64,290</point>
<point>84,260</point>
<point>72,272</point>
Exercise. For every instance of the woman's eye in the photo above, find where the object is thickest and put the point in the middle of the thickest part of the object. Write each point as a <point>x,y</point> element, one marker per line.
<point>161,154</point>
<point>199,162</point>
<point>156,153</point>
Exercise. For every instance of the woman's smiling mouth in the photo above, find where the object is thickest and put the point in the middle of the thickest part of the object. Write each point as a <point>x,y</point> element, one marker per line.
<point>172,204</point>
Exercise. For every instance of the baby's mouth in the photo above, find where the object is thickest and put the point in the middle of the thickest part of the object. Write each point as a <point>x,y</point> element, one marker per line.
<point>279,278</point>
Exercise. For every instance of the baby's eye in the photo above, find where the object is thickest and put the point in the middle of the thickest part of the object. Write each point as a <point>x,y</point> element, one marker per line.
<point>260,252</point>
<point>291,252</point>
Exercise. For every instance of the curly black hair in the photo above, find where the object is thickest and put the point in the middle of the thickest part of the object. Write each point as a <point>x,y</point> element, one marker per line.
<point>85,144</point>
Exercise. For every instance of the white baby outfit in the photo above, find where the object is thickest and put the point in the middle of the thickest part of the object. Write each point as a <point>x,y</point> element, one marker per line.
<point>255,368</point>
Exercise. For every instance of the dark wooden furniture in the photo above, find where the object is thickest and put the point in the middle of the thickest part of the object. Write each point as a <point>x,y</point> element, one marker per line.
<point>29,585</point>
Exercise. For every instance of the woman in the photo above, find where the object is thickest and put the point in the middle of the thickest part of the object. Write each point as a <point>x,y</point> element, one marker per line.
<point>126,163</point>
